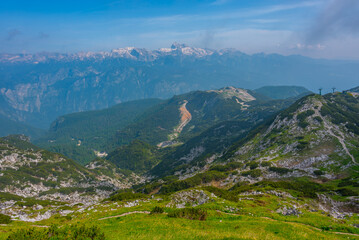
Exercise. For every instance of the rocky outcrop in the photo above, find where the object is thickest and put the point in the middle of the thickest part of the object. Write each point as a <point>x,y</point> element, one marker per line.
<point>191,198</point>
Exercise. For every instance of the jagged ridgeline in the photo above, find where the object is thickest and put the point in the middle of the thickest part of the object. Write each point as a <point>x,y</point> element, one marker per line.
<point>161,123</point>
<point>318,135</point>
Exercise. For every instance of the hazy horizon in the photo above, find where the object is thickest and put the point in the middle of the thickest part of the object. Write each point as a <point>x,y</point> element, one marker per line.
<point>313,28</point>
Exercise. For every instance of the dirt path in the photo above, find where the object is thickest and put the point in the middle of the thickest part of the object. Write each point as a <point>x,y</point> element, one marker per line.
<point>186,117</point>
<point>125,214</point>
<point>40,226</point>
<point>295,223</point>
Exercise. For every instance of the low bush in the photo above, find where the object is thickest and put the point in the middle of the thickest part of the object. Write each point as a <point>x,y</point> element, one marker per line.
<point>318,172</point>
<point>347,192</point>
<point>157,210</point>
<point>304,188</point>
<point>4,219</point>
<point>149,188</point>
<point>319,119</point>
<point>122,196</point>
<point>55,233</point>
<point>303,124</point>
<point>196,180</point>
<point>266,164</point>
<point>303,115</point>
<point>302,118</point>
<point>253,173</point>
<point>280,170</point>
<point>253,165</point>
<point>302,144</point>
<point>189,213</point>
<point>222,193</point>
<point>347,182</point>
<point>228,167</point>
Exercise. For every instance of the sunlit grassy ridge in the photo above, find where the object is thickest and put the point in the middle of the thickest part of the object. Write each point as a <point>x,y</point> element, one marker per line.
<point>252,217</point>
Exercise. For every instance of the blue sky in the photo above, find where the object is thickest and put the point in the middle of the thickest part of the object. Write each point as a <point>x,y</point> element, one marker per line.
<point>316,28</point>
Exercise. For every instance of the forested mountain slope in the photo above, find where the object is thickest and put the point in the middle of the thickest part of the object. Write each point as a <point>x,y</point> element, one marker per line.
<point>168,123</point>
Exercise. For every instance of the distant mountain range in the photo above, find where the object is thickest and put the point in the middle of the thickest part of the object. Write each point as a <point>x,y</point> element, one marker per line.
<point>37,88</point>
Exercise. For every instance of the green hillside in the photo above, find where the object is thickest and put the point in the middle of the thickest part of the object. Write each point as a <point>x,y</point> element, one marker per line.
<point>290,174</point>
<point>137,156</point>
<point>318,134</point>
<point>78,135</point>
<point>313,141</point>
<point>213,141</point>
<point>168,123</point>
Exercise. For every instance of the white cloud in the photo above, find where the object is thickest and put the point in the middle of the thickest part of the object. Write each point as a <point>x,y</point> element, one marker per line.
<point>308,46</point>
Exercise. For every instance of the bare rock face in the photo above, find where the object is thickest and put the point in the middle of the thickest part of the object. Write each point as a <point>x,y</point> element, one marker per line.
<point>190,198</point>
<point>29,171</point>
<point>308,137</point>
<point>338,209</point>
<point>289,211</point>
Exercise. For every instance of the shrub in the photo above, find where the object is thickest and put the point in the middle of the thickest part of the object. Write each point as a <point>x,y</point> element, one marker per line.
<point>353,128</point>
<point>222,193</point>
<point>54,233</point>
<point>302,117</point>
<point>303,124</point>
<point>302,145</point>
<point>147,189</point>
<point>122,196</point>
<point>319,119</point>
<point>157,210</point>
<point>347,192</point>
<point>305,188</point>
<point>253,165</point>
<point>347,182</point>
<point>4,219</point>
<point>280,170</point>
<point>266,164</point>
<point>253,173</point>
<point>228,167</point>
<point>318,172</point>
<point>196,180</point>
<point>189,213</point>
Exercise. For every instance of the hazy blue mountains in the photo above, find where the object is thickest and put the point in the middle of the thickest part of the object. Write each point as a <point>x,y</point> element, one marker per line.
<point>37,88</point>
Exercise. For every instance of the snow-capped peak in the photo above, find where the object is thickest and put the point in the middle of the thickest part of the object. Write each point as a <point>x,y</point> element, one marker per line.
<point>134,53</point>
